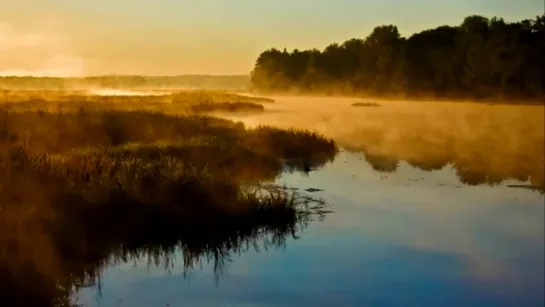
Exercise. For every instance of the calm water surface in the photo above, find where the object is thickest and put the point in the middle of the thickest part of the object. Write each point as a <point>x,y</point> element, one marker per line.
<point>398,236</point>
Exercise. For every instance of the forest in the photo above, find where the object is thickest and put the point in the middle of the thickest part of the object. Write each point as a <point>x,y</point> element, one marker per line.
<point>480,59</point>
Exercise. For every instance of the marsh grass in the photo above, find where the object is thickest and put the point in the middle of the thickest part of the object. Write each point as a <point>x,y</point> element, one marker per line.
<point>365,104</point>
<point>83,212</point>
<point>78,189</point>
<point>226,107</point>
<point>199,101</point>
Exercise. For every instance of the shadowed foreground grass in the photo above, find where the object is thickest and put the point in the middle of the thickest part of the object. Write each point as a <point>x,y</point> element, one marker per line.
<point>81,189</point>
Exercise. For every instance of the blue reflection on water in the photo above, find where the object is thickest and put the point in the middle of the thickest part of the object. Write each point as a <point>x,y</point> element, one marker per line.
<point>390,242</point>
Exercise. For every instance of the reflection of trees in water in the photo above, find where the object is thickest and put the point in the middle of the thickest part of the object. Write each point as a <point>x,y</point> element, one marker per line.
<point>470,177</point>
<point>433,164</point>
<point>382,163</point>
<point>469,172</point>
<point>475,176</point>
<point>484,144</point>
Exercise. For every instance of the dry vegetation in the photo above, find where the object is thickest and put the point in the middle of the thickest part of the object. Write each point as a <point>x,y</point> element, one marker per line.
<point>85,180</point>
<point>365,104</point>
<point>198,101</point>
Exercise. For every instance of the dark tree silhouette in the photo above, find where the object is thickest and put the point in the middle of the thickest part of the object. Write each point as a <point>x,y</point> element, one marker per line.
<point>482,58</point>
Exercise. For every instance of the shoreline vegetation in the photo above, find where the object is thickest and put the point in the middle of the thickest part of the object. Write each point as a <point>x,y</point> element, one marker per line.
<point>194,101</point>
<point>482,59</point>
<point>517,101</point>
<point>182,82</point>
<point>365,104</point>
<point>94,183</point>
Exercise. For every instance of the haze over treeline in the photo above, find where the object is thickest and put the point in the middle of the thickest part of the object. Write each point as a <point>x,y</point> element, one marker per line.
<point>479,59</point>
<point>126,81</point>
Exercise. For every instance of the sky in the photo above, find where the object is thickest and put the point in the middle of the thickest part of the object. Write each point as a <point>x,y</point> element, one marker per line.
<point>173,37</point>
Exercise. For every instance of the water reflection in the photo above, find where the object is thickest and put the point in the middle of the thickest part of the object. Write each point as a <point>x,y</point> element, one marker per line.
<point>215,245</point>
<point>485,144</point>
<point>190,248</point>
<point>403,238</point>
<point>471,173</point>
<point>164,243</point>
<point>382,163</point>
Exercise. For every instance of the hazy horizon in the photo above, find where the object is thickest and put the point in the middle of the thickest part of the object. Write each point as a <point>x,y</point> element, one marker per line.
<point>126,75</point>
<point>209,37</point>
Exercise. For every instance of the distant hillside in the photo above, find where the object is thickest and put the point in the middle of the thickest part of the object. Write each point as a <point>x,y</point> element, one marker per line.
<point>236,82</point>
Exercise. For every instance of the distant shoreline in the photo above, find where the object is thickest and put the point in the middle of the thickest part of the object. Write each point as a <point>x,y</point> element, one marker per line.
<point>238,82</point>
<point>400,98</point>
<point>122,76</point>
<point>358,98</point>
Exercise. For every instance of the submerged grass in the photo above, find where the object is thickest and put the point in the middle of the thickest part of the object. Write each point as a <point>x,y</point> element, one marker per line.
<point>78,188</point>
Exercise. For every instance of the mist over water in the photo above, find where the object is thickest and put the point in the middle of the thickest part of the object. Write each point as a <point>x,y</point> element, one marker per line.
<point>120,92</point>
<point>492,141</point>
<point>421,197</point>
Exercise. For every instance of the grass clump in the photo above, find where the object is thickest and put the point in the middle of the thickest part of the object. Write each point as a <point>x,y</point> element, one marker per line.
<point>365,104</point>
<point>226,107</point>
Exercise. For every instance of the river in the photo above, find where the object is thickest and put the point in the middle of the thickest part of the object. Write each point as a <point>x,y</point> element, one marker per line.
<point>429,209</point>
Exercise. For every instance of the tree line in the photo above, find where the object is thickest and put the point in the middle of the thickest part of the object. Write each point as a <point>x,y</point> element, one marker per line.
<point>481,58</point>
<point>125,81</point>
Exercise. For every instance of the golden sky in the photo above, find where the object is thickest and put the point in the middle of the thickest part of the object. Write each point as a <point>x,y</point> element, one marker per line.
<point>172,37</point>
